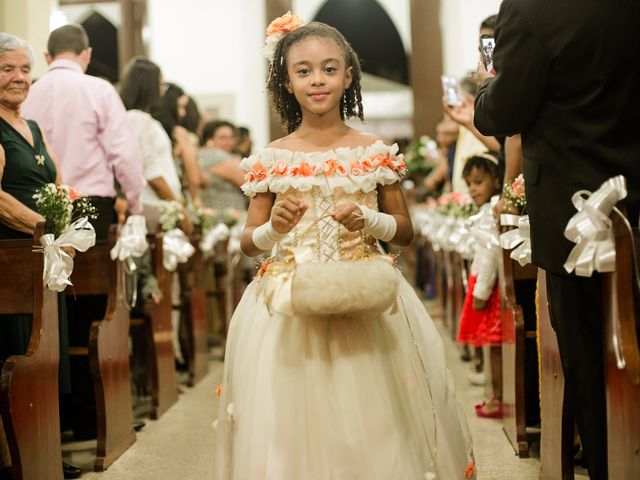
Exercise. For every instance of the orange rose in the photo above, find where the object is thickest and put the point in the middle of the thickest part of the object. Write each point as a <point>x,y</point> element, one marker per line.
<point>332,166</point>
<point>356,169</point>
<point>367,165</point>
<point>259,171</point>
<point>285,24</point>
<point>73,194</point>
<point>280,169</point>
<point>249,177</point>
<point>303,170</point>
<point>219,390</point>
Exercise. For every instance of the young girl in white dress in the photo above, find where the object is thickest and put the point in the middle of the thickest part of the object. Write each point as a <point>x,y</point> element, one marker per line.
<point>318,396</point>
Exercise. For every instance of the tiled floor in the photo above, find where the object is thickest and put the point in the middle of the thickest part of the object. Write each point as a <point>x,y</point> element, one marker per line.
<point>179,446</point>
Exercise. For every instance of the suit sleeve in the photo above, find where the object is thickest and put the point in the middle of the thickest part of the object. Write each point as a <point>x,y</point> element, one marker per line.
<point>509,102</point>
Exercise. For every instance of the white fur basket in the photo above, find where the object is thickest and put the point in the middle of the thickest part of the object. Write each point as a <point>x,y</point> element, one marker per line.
<point>356,287</point>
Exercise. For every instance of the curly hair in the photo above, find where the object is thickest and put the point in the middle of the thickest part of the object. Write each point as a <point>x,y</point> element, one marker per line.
<point>285,103</point>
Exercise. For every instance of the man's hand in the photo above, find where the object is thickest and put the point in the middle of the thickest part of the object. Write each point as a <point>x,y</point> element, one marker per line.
<point>120,206</point>
<point>350,216</point>
<point>286,213</point>
<point>483,74</point>
<point>461,114</point>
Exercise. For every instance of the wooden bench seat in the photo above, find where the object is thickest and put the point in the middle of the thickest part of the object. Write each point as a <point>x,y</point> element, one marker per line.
<point>29,383</point>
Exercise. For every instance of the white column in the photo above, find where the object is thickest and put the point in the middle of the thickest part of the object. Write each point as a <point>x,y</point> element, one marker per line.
<point>29,19</point>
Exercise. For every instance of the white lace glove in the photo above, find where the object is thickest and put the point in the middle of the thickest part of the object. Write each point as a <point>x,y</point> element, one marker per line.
<point>265,236</point>
<point>379,225</point>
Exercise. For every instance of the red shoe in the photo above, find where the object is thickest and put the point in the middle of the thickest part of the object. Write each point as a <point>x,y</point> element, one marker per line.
<point>490,410</point>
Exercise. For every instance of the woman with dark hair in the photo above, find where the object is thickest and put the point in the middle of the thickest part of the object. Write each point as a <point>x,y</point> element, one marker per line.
<point>222,168</point>
<point>140,93</point>
<point>170,112</point>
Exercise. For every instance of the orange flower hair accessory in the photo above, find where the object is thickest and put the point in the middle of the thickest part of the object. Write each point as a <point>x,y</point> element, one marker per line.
<point>277,29</point>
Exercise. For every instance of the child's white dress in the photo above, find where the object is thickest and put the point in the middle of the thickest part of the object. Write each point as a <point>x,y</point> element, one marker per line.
<point>335,399</point>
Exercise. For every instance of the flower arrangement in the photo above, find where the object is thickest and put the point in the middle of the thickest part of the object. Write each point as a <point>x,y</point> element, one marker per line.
<point>61,205</point>
<point>207,218</point>
<point>204,217</point>
<point>456,204</point>
<point>514,194</point>
<point>277,29</point>
<point>171,213</point>
<point>421,156</point>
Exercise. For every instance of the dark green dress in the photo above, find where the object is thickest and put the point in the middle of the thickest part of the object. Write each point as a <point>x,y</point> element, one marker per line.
<point>27,168</point>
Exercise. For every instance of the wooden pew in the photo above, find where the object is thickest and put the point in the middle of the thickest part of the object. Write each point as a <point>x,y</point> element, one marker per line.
<point>193,308</point>
<point>29,383</point>
<point>162,371</point>
<point>95,273</point>
<point>621,291</point>
<point>515,336</point>
<point>556,438</point>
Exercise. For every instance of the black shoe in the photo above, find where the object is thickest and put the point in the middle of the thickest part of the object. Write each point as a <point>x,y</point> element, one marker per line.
<point>138,425</point>
<point>71,471</point>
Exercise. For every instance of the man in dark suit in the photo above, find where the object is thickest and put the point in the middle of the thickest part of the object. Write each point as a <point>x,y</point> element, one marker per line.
<point>568,80</point>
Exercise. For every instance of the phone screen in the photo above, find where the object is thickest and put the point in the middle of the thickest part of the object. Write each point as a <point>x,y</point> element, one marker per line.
<point>487,44</point>
<point>451,90</point>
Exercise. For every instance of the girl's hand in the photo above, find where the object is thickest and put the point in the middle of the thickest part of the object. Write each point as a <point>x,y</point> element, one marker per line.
<point>286,213</point>
<point>350,216</point>
<point>479,305</point>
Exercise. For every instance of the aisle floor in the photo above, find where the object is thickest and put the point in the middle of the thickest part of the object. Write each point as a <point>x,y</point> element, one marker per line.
<point>179,446</point>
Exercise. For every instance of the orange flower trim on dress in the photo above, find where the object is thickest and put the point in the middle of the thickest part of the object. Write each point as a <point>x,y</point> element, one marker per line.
<point>219,390</point>
<point>257,173</point>
<point>331,167</point>
<point>285,24</point>
<point>263,267</point>
<point>303,170</point>
<point>470,471</point>
<point>280,169</point>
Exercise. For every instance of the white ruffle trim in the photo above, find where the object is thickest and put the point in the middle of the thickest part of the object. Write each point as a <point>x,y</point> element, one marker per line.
<point>353,169</point>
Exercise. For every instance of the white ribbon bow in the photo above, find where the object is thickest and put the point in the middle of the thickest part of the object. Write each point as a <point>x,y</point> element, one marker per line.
<point>132,242</point>
<point>520,237</point>
<point>216,234</point>
<point>590,229</point>
<point>58,265</point>
<point>176,248</point>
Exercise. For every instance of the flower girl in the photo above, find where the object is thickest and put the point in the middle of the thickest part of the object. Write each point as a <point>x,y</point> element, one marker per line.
<point>334,369</point>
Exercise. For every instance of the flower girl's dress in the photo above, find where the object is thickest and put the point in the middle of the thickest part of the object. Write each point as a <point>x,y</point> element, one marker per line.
<point>337,398</point>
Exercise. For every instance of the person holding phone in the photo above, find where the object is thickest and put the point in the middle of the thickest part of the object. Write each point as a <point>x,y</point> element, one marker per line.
<point>566,80</point>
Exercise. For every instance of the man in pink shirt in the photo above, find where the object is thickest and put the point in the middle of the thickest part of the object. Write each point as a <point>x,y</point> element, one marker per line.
<point>86,125</point>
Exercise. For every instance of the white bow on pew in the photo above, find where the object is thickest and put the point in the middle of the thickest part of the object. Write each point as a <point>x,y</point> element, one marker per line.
<point>590,228</point>
<point>58,265</point>
<point>519,239</point>
<point>132,242</point>
<point>176,249</point>
<point>217,234</point>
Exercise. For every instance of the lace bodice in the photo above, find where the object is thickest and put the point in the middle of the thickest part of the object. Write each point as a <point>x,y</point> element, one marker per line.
<point>324,180</point>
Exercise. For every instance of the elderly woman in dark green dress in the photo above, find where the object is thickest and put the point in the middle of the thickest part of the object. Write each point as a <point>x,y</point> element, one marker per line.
<point>26,164</point>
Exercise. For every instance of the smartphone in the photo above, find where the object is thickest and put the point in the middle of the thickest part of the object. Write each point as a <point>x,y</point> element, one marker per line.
<point>451,90</point>
<point>487,44</point>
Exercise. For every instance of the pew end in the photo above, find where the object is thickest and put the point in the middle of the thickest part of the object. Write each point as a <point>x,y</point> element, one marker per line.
<point>29,382</point>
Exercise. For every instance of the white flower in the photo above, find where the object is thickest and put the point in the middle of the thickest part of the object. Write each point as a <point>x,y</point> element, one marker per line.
<point>430,476</point>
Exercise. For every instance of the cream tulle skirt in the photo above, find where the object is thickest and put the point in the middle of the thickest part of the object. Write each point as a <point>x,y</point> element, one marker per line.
<point>339,399</point>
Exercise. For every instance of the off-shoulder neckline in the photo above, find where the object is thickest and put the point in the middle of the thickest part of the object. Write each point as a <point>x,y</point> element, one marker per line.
<point>333,150</point>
